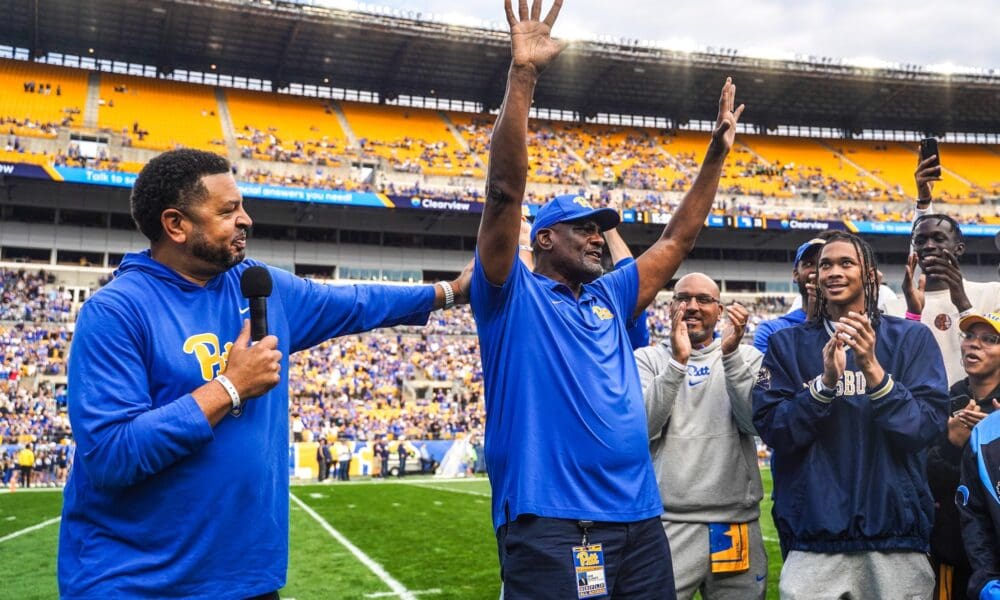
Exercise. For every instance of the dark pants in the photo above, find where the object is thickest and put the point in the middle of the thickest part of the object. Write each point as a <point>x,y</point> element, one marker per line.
<point>402,466</point>
<point>536,558</point>
<point>345,470</point>
<point>385,467</point>
<point>26,477</point>
<point>324,470</point>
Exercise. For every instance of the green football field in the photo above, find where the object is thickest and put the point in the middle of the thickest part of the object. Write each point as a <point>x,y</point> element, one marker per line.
<point>413,539</point>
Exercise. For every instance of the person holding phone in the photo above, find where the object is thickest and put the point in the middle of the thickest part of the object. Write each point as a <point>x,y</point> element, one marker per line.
<point>972,399</point>
<point>850,401</point>
<point>945,297</point>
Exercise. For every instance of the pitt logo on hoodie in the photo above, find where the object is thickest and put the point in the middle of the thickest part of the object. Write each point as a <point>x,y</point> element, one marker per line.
<point>205,347</point>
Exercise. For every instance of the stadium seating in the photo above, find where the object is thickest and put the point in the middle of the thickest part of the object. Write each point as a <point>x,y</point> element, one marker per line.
<point>802,176</point>
<point>980,165</point>
<point>160,114</point>
<point>286,128</point>
<point>412,140</point>
<point>893,164</point>
<point>56,97</point>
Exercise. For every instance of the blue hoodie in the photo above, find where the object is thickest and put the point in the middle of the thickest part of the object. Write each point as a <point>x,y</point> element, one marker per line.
<point>161,504</point>
<point>849,473</point>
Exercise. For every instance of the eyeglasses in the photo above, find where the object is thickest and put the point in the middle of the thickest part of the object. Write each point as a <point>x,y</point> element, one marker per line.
<point>988,339</point>
<point>702,299</point>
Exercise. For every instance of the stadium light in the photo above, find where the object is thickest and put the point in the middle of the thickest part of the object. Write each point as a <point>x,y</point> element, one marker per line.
<point>869,62</point>
<point>459,20</point>
<point>339,4</point>
<point>950,68</point>
<point>767,53</point>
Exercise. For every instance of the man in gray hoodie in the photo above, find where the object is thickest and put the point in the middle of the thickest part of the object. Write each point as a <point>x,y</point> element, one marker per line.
<point>697,389</point>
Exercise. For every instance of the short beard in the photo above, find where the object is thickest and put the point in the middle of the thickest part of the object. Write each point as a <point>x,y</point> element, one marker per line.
<point>219,256</point>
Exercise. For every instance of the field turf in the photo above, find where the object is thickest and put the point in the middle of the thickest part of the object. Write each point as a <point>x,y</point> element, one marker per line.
<point>422,538</point>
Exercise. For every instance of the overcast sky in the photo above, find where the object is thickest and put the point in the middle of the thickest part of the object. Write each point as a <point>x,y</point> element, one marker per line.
<point>956,32</point>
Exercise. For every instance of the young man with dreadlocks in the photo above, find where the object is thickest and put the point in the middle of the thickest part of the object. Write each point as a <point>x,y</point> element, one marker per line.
<point>849,401</point>
<point>946,297</point>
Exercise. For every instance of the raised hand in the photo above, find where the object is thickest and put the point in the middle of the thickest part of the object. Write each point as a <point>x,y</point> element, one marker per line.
<point>524,236</point>
<point>944,267</point>
<point>253,369</point>
<point>913,289</point>
<point>680,343</point>
<point>530,42</point>
<point>735,327</point>
<point>856,332</point>
<point>812,297</point>
<point>928,171</point>
<point>834,361</point>
<point>725,124</point>
<point>959,431</point>
<point>463,283</point>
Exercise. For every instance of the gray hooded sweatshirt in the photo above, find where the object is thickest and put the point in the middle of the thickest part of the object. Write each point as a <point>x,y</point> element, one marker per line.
<point>701,433</point>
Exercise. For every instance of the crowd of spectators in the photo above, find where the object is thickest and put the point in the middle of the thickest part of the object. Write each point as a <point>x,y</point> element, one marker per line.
<point>268,145</point>
<point>31,296</point>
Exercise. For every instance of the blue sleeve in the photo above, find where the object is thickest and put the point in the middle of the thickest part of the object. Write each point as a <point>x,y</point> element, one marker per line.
<point>121,438</point>
<point>318,312</point>
<point>979,533</point>
<point>785,413</point>
<point>913,407</point>
<point>638,331</point>
<point>485,298</point>
<point>760,338</point>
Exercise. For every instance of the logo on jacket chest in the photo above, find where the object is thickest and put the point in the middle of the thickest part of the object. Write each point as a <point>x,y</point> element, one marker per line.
<point>696,375</point>
<point>211,356</point>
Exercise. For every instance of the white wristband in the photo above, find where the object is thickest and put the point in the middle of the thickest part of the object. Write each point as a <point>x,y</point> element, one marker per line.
<point>234,396</point>
<point>449,294</point>
<point>524,248</point>
<point>966,312</point>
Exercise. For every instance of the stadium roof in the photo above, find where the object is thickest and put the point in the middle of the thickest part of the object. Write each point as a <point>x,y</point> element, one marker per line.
<point>289,42</point>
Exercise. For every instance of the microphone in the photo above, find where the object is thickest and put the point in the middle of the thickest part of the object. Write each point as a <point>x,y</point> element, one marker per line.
<point>255,285</point>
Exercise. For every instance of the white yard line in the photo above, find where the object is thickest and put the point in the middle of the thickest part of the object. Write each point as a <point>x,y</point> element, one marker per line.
<point>397,588</point>
<point>392,481</point>
<point>392,594</point>
<point>448,489</point>
<point>21,532</point>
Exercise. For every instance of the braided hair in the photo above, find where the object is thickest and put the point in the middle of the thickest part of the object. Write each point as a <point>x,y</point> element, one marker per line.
<point>869,279</point>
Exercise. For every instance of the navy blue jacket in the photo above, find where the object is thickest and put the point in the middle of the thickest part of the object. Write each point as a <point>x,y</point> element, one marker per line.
<point>849,474</point>
<point>978,502</point>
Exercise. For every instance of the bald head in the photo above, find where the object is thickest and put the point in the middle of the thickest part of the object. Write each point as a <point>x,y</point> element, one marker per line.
<point>699,281</point>
<point>699,296</point>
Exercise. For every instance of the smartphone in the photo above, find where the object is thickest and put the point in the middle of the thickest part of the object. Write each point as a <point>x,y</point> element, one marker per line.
<point>928,148</point>
<point>958,403</point>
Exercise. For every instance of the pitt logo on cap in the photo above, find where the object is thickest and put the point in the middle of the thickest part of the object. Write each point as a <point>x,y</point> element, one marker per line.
<point>581,201</point>
<point>603,313</point>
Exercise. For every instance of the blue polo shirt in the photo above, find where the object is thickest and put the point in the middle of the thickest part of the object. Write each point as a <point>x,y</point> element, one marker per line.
<point>565,420</point>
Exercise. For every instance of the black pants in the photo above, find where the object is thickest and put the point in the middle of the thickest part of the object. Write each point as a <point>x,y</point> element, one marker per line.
<point>536,558</point>
<point>25,477</point>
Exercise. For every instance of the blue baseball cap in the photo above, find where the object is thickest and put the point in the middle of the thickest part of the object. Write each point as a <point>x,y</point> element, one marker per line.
<point>805,248</point>
<point>571,207</point>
